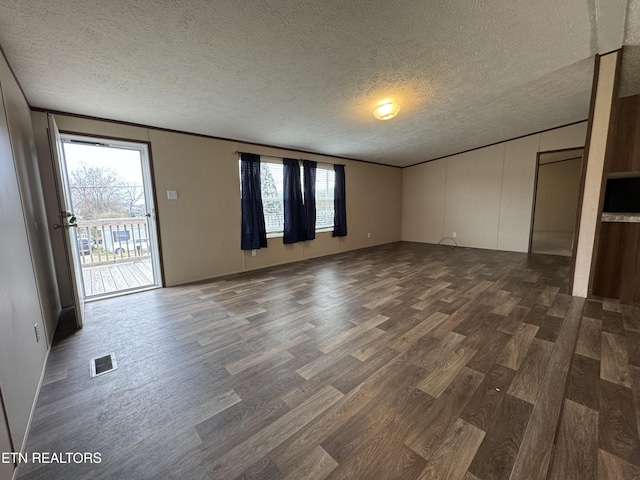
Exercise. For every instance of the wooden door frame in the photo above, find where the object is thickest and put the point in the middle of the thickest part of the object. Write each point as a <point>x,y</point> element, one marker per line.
<point>154,195</point>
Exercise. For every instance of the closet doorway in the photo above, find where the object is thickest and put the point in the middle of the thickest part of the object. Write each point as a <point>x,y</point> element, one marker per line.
<point>556,202</point>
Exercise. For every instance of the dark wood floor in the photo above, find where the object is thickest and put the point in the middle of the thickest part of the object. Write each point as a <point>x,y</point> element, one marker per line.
<point>403,361</point>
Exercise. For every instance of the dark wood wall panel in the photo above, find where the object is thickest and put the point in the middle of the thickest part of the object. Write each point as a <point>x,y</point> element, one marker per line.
<point>618,264</point>
<point>617,268</point>
<point>626,146</point>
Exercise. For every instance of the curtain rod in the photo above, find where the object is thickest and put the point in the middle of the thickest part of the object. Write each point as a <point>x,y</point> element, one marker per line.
<point>237,152</point>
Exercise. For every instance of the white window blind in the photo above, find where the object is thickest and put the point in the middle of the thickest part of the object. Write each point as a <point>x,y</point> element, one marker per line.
<point>325,182</point>
<point>272,183</point>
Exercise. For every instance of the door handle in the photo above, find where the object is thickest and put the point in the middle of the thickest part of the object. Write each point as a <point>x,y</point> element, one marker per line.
<point>72,218</point>
<point>57,227</point>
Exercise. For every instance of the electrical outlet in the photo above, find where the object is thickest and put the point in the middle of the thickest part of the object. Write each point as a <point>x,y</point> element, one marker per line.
<point>454,234</point>
<point>37,330</point>
<point>172,194</point>
<point>368,235</point>
<point>253,253</point>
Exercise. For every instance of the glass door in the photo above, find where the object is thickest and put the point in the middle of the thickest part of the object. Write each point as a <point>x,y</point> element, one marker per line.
<point>112,197</point>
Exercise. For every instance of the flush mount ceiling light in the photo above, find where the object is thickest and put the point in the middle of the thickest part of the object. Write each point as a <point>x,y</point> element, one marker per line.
<point>386,111</point>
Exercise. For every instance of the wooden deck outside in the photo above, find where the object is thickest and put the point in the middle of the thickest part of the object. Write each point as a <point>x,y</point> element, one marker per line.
<point>117,276</point>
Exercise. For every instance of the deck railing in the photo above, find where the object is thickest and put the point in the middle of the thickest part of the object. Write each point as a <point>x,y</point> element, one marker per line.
<point>112,239</point>
<point>274,222</point>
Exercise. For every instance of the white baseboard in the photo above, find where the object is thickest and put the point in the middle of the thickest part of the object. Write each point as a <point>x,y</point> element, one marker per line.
<point>33,410</point>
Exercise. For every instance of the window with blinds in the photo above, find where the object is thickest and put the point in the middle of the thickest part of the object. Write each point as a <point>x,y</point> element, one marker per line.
<point>325,182</point>
<point>272,186</point>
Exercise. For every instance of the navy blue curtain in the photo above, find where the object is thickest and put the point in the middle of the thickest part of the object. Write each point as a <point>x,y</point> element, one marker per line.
<point>309,192</point>
<point>339,204</point>
<point>254,233</point>
<point>294,226</point>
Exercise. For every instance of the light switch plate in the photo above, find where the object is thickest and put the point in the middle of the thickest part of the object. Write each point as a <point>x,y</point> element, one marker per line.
<point>172,194</point>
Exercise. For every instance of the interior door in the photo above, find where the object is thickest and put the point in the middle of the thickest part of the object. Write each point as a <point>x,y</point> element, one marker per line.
<point>67,223</point>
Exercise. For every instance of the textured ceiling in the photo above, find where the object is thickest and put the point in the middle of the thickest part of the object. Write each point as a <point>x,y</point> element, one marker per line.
<point>308,74</point>
<point>630,84</point>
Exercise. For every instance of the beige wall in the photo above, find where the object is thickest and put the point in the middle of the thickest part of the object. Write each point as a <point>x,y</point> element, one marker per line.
<point>27,169</point>
<point>557,196</point>
<point>200,232</point>
<point>26,284</point>
<point>485,196</point>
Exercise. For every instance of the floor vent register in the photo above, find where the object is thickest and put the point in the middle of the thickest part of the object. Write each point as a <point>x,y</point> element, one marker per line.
<point>102,365</point>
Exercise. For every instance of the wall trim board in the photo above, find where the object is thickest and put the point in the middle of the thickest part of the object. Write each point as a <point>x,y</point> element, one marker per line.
<point>559,161</point>
<point>583,176</point>
<point>503,141</point>
<point>613,125</point>
<point>612,51</point>
<point>562,150</point>
<point>596,149</point>
<point>533,202</point>
<point>153,182</point>
<point>201,135</point>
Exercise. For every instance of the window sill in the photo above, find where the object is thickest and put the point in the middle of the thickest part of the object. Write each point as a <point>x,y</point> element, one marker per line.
<point>281,234</point>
